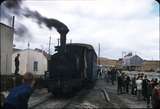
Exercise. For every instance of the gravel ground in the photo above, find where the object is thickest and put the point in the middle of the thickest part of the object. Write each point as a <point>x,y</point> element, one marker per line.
<point>115,101</point>
<point>92,99</point>
<point>130,100</point>
<point>87,98</point>
<point>39,96</point>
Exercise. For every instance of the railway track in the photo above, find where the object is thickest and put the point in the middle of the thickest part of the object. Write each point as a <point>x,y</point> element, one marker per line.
<point>51,102</point>
<point>38,101</point>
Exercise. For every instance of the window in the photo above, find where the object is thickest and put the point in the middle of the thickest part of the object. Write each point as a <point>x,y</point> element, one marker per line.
<point>35,66</point>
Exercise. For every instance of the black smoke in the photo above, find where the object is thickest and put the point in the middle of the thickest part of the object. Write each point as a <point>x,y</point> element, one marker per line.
<point>15,7</point>
<point>10,8</point>
<point>158,1</point>
<point>13,4</point>
<point>48,22</point>
<point>22,31</point>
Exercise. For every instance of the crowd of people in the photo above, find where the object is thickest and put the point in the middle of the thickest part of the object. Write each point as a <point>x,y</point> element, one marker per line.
<point>139,85</point>
<point>109,74</point>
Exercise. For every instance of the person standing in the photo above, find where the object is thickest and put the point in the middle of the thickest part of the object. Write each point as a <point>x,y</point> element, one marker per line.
<point>19,96</point>
<point>134,88</point>
<point>109,75</point>
<point>113,72</point>
<point>139,87</point>
<point>119,84</point>
<point>149,93</point>
<point>127,83</point>
<point>156,96</point>
<point>145,83</point>
<point>123,82</point>
<point>16,64</point>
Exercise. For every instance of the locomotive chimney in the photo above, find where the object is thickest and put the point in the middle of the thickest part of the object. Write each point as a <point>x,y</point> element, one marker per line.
<point>63,32</point>
<point>63,42</point>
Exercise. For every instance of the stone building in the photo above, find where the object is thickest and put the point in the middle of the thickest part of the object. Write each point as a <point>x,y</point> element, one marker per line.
<point>132,62</point>
<point>30,61</point>
<point>6,43</point>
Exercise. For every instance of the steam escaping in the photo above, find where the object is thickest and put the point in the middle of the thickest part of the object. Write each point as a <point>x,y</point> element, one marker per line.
<point>15,7</point>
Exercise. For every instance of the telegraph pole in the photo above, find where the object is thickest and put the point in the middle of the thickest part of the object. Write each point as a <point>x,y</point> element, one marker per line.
<point>49,45</point>
<point>99,54</point>
<point>13,20</point>
<point>28,60</point>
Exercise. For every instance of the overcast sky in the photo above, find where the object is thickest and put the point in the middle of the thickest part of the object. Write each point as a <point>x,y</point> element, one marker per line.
<point>118,25</point>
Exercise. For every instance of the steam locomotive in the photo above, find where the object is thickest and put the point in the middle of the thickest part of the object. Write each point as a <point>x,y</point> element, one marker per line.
<point>72,69</point>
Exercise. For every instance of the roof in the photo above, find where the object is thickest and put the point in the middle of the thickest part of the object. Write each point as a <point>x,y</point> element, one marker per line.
<point>81,45</point>
<point>16,49</point>
<point>25,50</point>
<point>133,56</point>
<point>2,24</point>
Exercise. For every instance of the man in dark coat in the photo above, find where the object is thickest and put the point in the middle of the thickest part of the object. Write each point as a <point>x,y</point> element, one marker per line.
<point>134,87</point>
<point>127,82</point>
<point>113,75</point>
<point>17,64</point>
<point>119,84</point>
<point>144,87</point>
<point>19,96</point>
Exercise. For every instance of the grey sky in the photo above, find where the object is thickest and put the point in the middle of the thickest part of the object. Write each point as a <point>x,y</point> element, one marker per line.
<point>118,25</point>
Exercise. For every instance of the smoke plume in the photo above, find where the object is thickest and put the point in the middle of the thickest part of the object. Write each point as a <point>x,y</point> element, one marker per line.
<point>10,8</point>
<point>22,30</point>
<point>15,7</point>
<point>60,27</point>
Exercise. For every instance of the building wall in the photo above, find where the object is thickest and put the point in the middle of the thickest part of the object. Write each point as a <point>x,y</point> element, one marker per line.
<point>151,65</point>
<point>6,43</point>
<point>132,61</point>
<point>27,59</point>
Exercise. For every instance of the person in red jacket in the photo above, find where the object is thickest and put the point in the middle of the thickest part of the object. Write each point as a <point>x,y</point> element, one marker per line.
<point>156,96</point>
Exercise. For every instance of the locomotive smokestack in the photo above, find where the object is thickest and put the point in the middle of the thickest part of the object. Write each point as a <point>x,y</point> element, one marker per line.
<point>63,42</point>
<point>63,31</point>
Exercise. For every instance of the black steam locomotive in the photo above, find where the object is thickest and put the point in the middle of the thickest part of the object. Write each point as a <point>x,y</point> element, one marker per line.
<point>72,69</point>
